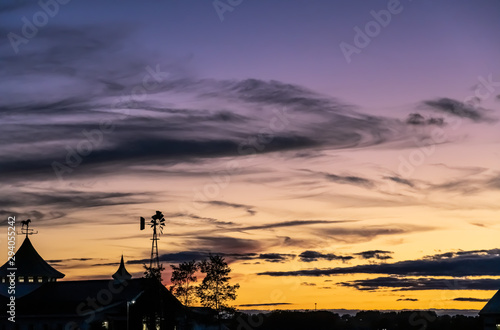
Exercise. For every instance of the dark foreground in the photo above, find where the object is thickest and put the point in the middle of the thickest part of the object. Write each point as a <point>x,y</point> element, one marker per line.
<point>370,320</point>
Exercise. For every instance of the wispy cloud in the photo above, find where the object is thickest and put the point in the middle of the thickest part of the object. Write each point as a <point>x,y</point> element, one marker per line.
<point>264,304</point>
<point>69,199</point>
<point>33,214</point>
<point>276,257</point>
<point>349,179</point>
<point>464,254</point>
<point>197,217</point>
<point>66,260</point>
<point>227,115</point>
<point>183,256</point>
<point>344,179</point>
<point>309,256</point>
<point>293,223</point>
<point>469,185</point>
<point>417,119</point>
<point>375,254</point>
<point>459,109</point>
<point>468,299</point>
<point>248,208</point>
<point>368,232</point>
<point>400,180</point>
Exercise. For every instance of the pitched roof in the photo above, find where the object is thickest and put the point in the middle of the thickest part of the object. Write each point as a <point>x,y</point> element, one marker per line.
<point>492,306</point>
<point>29,263</point>
<point>80,297</point>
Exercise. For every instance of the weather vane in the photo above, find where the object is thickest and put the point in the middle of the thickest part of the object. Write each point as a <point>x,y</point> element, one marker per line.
<point>157,221</point>
<point>26,231</point>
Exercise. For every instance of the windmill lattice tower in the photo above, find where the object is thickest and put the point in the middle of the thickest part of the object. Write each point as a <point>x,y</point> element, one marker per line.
<point>157,223</point>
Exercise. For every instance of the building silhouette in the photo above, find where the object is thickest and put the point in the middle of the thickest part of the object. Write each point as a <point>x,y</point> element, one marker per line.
<point>122,302</point>
<point>491,313</point>
<point>31,271</point>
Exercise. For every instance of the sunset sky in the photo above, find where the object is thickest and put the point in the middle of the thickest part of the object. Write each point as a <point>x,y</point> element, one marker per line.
<point>344,153</point>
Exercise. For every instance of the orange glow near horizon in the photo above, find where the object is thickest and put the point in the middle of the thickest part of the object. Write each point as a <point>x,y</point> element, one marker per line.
<point>362,179</point>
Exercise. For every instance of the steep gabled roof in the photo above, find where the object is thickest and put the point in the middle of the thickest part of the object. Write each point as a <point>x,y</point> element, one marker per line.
<point>492,306</point>
<point>29,263</point>
<point>77,298</point>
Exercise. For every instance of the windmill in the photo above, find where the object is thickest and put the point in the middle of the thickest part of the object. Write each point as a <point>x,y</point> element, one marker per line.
<point>157,223</point>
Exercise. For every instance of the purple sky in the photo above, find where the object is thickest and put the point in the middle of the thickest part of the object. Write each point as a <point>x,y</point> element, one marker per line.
<point>256,135</point>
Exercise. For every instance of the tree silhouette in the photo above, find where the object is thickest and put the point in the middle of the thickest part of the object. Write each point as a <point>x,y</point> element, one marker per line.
<point>215,291</point>
<point>153,272</point>
<point>182,277</point>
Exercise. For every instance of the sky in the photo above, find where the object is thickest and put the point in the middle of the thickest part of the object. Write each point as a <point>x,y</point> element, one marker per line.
<point>344,153</point>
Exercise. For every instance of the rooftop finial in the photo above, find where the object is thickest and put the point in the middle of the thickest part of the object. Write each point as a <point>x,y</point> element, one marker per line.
<point>122,274</point>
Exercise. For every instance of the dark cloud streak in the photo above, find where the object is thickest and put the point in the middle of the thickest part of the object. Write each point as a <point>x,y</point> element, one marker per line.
<point>411,284</point>
<point>458,109</point>
<point>468,263</point>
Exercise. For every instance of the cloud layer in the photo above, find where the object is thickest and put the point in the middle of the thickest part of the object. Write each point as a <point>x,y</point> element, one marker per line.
<point>454,264</point>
